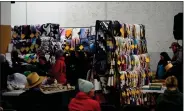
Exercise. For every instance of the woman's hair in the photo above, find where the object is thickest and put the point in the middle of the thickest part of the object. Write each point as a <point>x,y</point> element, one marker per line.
<point>14,54</point>
<point>59,53</point>
<point>43,58</point>
<point>166,56</point>
<point>171,82</point>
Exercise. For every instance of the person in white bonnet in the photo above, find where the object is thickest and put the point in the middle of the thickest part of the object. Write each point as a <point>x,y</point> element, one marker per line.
<point>83,100</point>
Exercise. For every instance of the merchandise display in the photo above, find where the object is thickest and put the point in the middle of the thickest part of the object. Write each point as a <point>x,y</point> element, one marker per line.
<point>121,62</point>
<point>133,62</point>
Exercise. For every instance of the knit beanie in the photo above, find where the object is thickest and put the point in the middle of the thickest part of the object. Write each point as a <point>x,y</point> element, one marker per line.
<point>85,86</point>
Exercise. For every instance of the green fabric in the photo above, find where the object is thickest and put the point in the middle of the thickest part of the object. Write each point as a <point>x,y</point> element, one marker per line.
<point>26,73</point>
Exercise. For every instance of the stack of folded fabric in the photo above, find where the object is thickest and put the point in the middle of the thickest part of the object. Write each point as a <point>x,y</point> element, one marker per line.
<point>155,86</point>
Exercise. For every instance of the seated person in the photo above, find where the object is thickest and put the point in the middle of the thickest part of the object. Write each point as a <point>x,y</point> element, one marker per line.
<point>83,100</point>
<point>171,99</point>
<point>43,66</point>
<point>164,58</point>
<point>33,98</point>
<point>16,62</point>
<point>5,71</point>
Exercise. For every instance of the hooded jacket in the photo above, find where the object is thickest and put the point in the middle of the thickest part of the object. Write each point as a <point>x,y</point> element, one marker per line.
<point>170,101</point>
<point>82,102</point>
<point>59,70</point>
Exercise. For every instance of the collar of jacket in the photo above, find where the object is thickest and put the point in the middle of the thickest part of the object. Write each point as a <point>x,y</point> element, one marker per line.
<point>82,95</point>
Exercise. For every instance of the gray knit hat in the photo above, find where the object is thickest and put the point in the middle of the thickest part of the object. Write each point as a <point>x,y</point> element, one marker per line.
<point>85,86</point>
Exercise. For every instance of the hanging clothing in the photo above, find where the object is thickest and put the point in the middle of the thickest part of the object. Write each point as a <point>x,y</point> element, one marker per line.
<point>82,102</point>
<point>59,70</point>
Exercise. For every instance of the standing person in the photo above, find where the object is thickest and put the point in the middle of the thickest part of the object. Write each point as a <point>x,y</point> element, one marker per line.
<point>34,97</point>
<point>172,98</point>
<point>177,62</point>
<point>5,71</point>
<point>59,68</point>
<point>164,58</point>
<point>43,66</point>
<point>83,100</point>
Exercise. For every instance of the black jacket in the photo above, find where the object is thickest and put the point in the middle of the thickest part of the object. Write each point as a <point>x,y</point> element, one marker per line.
<point>170,101</point>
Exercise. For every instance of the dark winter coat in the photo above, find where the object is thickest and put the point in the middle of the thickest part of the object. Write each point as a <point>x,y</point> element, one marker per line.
<point>170,101</point>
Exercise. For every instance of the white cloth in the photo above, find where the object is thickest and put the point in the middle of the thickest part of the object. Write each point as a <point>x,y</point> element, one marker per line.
<point>16,81</point>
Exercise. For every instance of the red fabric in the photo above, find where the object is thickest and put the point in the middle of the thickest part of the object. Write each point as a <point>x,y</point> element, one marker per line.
<point>82,102</point>
<point>59,70</point>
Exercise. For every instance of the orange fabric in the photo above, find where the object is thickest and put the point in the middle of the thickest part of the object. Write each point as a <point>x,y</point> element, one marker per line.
<point>82,102</point>
<point>59,70</point>
<point>68,33</point>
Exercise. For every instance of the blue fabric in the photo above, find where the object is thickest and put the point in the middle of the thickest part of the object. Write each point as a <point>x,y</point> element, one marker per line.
<point>161,71</point>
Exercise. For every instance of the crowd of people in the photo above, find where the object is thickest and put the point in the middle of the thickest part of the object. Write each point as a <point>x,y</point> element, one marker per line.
<point>71,68</point>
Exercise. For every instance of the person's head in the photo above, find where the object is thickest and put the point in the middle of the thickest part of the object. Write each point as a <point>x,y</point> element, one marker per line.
<point>34,80</point>
<point>42,60</point>
<point>86,87</point>
<point>59,53</point>
<point>40,53</point>
<point>164,56</point>
<point>171,83</point>
<point>2,58</point>
<point>14,54</point>
<point>174,46</point>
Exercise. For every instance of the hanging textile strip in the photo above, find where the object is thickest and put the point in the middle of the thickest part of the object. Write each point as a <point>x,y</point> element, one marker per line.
<point>137,63</point>
<point>130,31</point>
<point>46,29</point>
<point>122,78</point>
<point>142,31</point>
<point>132,62</point>
<point>135,46</point>
<point>137,31</point>
<point>132,47</point>
<point>129,63</point>
<point>144,45</point>
<point>122,30</point>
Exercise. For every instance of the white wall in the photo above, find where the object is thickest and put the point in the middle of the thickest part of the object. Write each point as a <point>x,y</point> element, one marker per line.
<point>5,11</point>
<point>156,16</point>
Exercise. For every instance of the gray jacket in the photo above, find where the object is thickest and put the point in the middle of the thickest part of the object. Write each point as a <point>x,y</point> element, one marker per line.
<point>178,57</point>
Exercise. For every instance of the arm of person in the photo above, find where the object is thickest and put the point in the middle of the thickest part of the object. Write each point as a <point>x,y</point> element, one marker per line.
<point>179,59</point>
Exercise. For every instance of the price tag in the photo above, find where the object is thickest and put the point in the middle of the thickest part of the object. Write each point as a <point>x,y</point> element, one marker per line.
<point>147,59</point>
<point>122,77</point>
<point>22,36</point>
<point>119,62</point>
<point>132,46</point>
<point>122,32</point>
<point>81,47</point>
<point>123,62</point>
<point>71,48</point>
<point>67,48</point>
